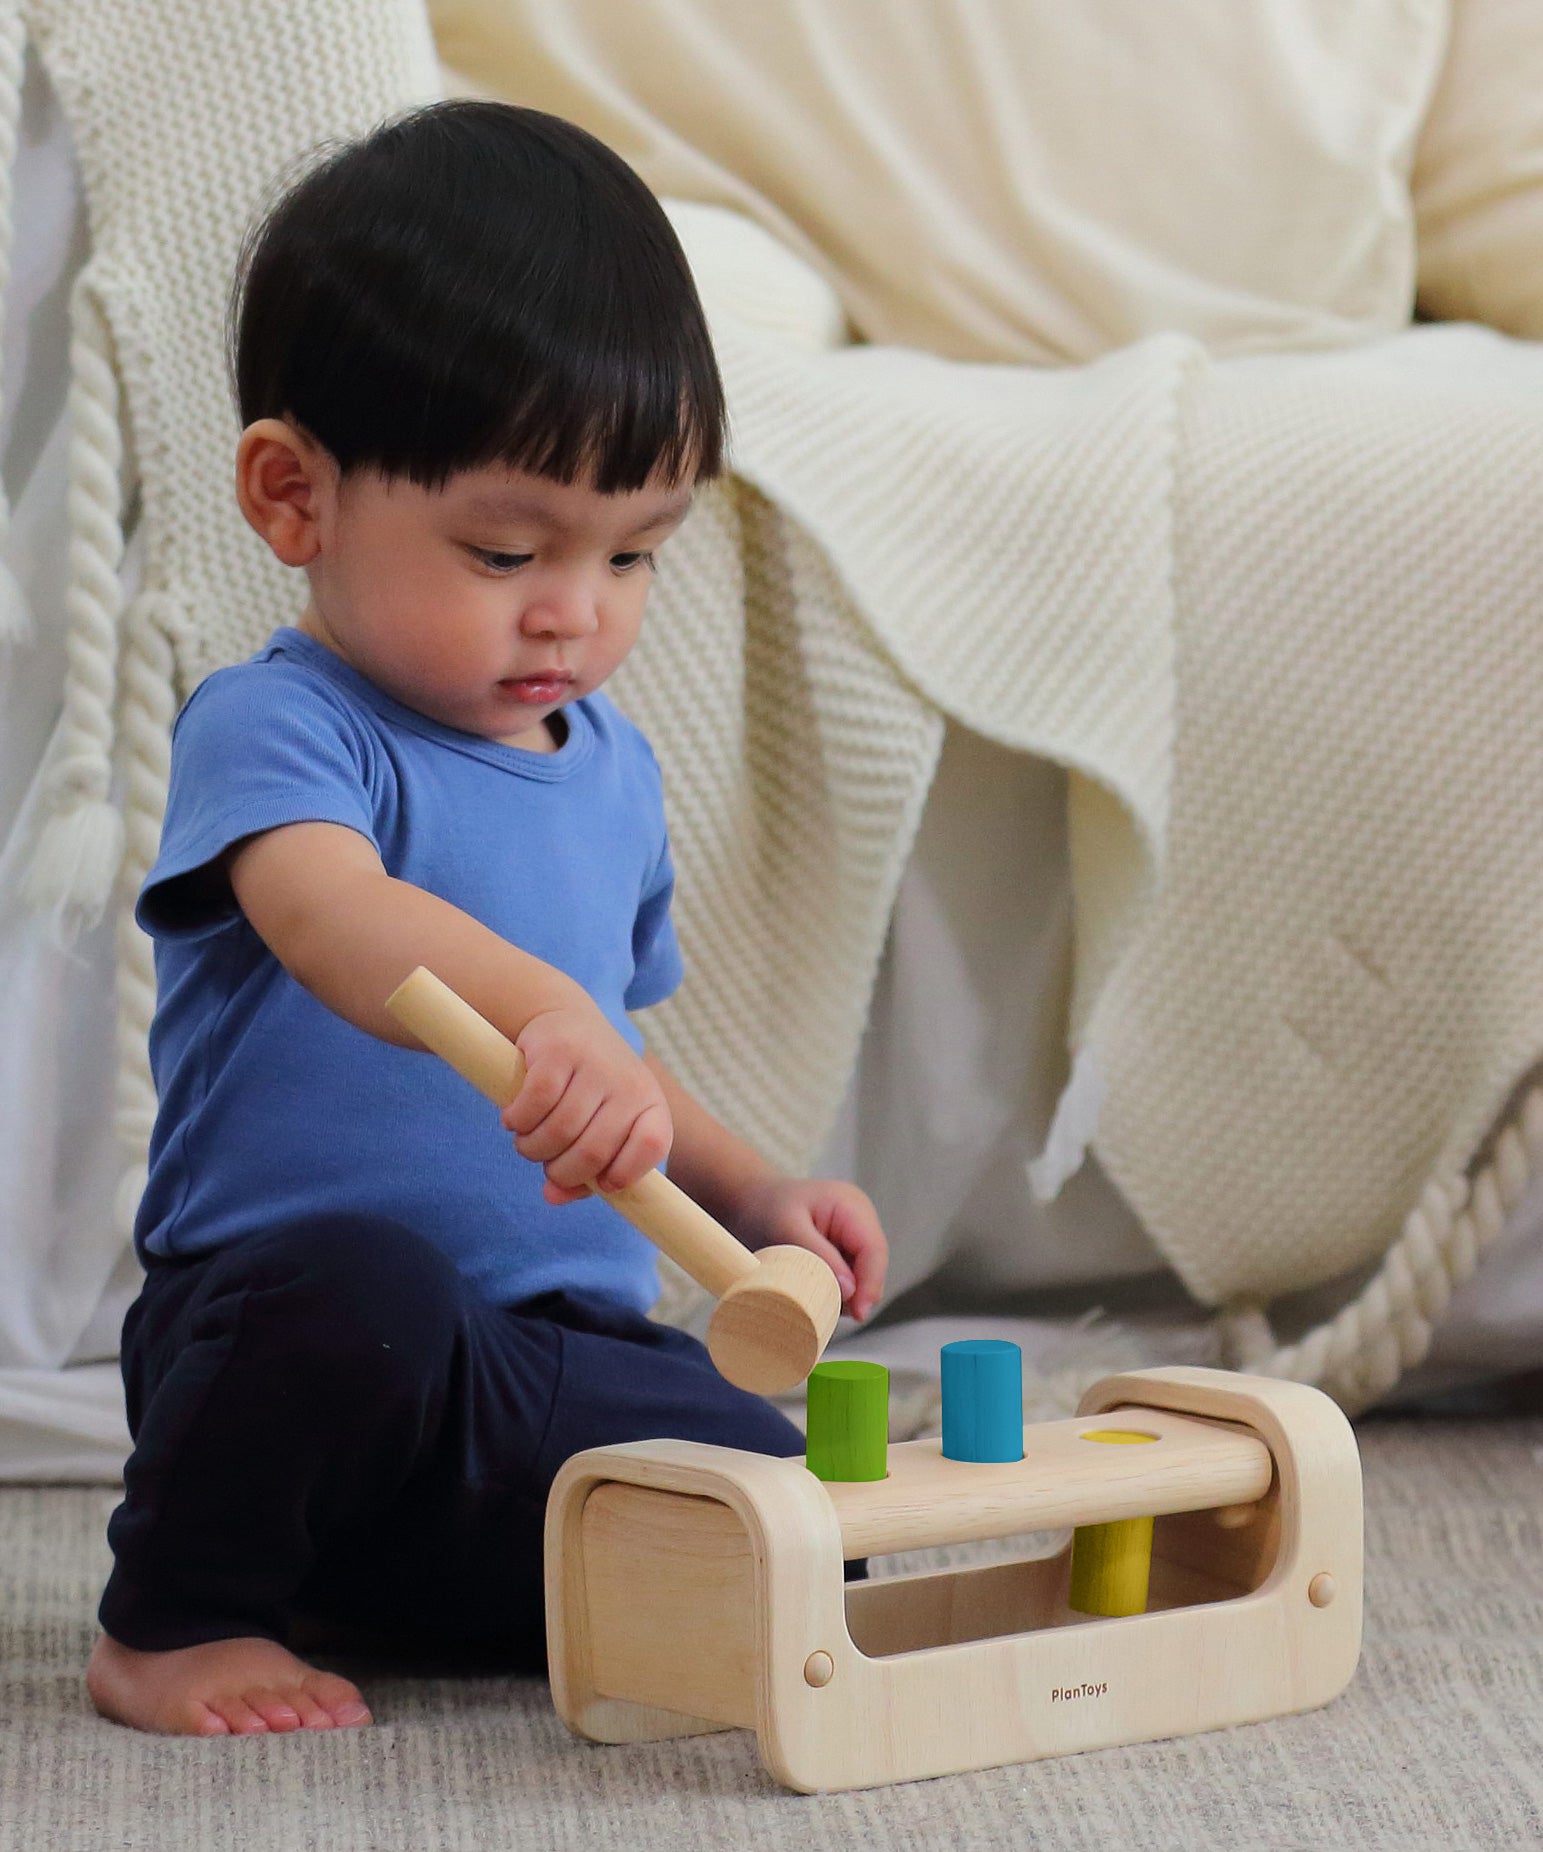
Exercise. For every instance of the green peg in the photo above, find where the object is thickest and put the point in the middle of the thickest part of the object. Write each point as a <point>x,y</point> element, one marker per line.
<point>848,1429</point>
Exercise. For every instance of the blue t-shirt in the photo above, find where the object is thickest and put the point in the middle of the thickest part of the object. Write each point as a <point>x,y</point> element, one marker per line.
<point>273,1107</point>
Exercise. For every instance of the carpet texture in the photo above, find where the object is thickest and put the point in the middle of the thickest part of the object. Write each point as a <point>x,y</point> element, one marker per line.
<point>1437,1743</point>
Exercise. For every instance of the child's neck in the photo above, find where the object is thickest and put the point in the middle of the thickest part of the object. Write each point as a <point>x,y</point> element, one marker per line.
<point>548,735</point>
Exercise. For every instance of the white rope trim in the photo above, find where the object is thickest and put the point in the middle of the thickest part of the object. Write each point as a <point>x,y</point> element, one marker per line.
<point>15,618</point>
<point>1359,1355</point>
<point>148,679</point>
<point>80,841</point>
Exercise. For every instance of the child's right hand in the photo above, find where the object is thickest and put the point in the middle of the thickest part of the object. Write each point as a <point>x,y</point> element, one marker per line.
<point>590,1109</point>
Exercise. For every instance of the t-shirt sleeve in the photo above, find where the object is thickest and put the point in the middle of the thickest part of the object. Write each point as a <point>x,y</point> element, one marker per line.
<point>657,967</point>
<point>656,963</point>
<point>256,746</point>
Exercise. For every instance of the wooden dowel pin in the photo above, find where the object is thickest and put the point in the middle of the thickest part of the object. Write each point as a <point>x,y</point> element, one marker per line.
<point>776,1308</point>
<point>982,1400</point>
<point>1112,1563</point>
<point>847,1437</point>
<point>983,1421</point>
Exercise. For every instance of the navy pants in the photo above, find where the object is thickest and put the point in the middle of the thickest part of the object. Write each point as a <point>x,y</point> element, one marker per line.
<point>330,1424</point>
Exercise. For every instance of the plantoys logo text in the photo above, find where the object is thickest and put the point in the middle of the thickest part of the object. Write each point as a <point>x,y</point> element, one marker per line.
<point>1060,1693</point>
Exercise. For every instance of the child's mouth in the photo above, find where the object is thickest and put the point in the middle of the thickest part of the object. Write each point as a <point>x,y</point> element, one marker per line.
<point>535,689</point>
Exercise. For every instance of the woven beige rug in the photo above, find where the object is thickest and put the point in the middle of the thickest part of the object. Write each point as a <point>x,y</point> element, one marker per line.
<point>1437,1743</point>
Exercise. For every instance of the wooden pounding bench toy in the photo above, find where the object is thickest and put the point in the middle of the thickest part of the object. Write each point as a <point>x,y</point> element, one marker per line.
<point>1213,1577</point>
<point>692,1588</point>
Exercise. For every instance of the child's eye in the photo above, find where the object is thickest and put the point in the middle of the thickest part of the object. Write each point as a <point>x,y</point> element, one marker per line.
<point>501,562</point>
<point>625,562</point>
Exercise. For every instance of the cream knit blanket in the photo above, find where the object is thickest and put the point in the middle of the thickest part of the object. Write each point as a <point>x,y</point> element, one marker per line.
<point>1278,618</point>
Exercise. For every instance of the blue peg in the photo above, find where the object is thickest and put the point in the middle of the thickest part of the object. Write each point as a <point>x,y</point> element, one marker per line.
<point>982,1400</point>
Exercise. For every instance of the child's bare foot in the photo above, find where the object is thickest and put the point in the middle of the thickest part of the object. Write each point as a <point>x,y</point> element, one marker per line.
<point>225,1688</point>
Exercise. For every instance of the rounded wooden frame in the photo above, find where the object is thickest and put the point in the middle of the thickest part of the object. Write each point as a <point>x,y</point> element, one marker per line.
<point>691,1588</point>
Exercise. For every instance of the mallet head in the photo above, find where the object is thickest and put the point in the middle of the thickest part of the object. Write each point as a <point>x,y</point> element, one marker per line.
<point>770,1329</point>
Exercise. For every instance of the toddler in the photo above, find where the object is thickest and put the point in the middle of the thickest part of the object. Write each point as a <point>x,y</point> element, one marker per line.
<point>477,391</point>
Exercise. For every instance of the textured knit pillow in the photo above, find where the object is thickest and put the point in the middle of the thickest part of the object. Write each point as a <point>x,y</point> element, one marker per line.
<point>1021,180</point>
<point>1478,176</point>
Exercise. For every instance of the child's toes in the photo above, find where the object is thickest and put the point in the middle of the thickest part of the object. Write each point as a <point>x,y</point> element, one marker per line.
<point>275,1709</point>
<point>203,1720</point>
<point>239,1715</point>
<point>313,1716</point>
<point>338,1698</point>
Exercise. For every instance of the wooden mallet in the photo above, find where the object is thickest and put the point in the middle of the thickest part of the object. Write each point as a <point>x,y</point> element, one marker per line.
<point>776,1309</point>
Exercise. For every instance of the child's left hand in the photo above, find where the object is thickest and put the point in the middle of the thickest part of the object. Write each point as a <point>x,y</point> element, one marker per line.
<point>832,1219</point>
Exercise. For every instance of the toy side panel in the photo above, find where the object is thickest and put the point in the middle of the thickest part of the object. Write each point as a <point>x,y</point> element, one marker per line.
<point>1088,1686</point>
<point>670,1588</point>
<point>1236,1545</point>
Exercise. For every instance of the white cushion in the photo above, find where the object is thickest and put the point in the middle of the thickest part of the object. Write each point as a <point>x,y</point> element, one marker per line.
<point>1022,180</point>
<point>1478,177</point>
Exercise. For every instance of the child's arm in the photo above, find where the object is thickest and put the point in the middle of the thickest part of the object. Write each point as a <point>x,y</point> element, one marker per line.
<point>590,1110</point>
<point>713,1167</point>
<point>319,897</point>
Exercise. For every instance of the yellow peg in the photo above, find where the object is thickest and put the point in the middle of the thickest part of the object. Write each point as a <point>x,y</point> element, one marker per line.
<point>1111,1563</point>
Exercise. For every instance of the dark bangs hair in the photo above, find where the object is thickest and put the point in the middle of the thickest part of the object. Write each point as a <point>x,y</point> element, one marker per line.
<point>470,284</point>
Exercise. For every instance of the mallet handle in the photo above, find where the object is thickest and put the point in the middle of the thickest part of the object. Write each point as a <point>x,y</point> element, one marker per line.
<point>677,1226</point>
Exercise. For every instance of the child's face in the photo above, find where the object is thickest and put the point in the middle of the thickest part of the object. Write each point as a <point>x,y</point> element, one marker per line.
<point>489,603</point>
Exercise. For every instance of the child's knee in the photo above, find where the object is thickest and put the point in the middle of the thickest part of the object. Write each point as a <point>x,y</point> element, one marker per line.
<point>354,1293</point>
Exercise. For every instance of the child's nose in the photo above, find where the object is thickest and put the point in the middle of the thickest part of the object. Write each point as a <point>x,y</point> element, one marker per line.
<point>567,611</point>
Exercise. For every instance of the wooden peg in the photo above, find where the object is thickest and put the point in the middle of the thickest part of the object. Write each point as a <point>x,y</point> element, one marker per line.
<point>776,1308</point>
<point>982,1400</point>
<point>1112,1563</point>
<point>847,1436</point>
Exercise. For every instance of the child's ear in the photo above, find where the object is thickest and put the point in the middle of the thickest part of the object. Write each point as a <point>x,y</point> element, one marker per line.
<point>283,481</point>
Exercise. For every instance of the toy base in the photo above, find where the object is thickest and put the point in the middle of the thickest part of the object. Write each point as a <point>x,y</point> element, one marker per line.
<point>695,1588</point>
